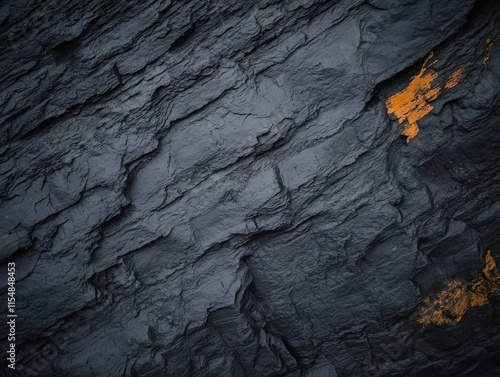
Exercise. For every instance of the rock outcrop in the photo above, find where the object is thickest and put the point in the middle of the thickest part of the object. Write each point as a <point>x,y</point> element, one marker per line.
<point>251,188</point>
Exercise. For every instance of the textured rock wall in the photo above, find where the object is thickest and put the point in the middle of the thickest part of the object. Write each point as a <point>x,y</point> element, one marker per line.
<point>252,188</point>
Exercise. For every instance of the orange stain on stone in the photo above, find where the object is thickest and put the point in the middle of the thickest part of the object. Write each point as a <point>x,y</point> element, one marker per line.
<point>451,304</point>
<point>412,103</point>
<point>454,78</point>
<point>490,43</point>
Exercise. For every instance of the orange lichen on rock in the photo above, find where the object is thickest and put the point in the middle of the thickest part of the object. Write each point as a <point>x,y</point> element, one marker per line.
<point>412,103</point>
<point>490,268</point>
<point>454,78</point>
<point>458,297</point>
<point>490,43</point>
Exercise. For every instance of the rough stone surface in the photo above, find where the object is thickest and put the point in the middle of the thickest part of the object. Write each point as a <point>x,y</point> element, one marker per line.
<point>205,188</point>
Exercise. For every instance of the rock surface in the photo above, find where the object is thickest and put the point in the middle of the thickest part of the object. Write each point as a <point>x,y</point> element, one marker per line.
<point>221,188</point>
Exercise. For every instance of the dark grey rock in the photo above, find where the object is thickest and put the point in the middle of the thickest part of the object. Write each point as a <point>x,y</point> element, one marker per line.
<point>217,189</point>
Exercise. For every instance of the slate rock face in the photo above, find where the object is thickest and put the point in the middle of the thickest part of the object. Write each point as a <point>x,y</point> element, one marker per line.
<point>204,188</point>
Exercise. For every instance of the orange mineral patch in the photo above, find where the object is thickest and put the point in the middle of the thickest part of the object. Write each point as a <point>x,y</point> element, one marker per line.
<point>450,304</point>
<point>454,78</point>
<point>490,43</point>
<point>412,103</point>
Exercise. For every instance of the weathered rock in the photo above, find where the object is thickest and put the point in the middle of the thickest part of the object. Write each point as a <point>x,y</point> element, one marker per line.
<point>223,189</point>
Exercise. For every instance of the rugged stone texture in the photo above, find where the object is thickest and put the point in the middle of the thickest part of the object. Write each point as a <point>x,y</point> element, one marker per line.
<point>218,189</point>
